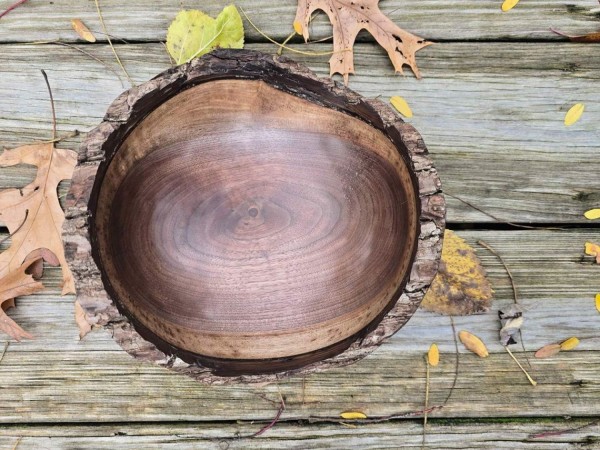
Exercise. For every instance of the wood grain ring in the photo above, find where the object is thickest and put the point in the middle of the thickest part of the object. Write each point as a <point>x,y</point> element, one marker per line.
<point>250,219</point>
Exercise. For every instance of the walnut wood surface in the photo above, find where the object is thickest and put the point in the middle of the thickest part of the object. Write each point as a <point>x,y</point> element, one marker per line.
<point>251,218</point>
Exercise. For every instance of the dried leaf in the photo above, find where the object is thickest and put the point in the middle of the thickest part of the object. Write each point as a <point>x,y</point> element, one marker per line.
<point>16,283</point>
<point>598,302</point>
<point>82,323</point>
<point>547,351</point>
<point>433,355</point>
<point>353,415</point>
<point>194,33</point>
<point>83,31</point>
<point>401,106</point>
<point>569,344</point>
<point>33,214</point>
<point>460,286</point>
<point>507,5</point>
<point>348,17</point>
<point>473,343</point>
<point>574,114</point>
<point>592,214</point>
<point>593,249</point>
<point>589,38</point>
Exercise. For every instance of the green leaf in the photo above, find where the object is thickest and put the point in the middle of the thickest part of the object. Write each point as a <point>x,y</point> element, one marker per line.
<point>230,28</point>
<point>194,33</point>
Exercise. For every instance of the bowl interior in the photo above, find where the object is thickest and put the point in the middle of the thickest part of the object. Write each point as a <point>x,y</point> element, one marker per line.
<point>237,221</point>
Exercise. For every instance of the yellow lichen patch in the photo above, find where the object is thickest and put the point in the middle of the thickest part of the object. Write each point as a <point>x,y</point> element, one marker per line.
<point>460,287</point>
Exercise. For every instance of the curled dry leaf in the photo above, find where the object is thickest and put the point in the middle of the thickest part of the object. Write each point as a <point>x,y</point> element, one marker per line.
<point>547,351</point>
<point>507,5</point>
<point>81,321</point>
<point>348,17</point>
<point>353,415</point>
<point>473,343</point>
<point>592,214</point>
<point>512,321</point>
<point>460,286</point>
<point>33,214</point>
<point>574,114</point>
<point>589,38</point>
<point>83,31</point>
<point>401,106</point>
<point>593,249</point>
<point>433,355</point>
<point>569,344</point>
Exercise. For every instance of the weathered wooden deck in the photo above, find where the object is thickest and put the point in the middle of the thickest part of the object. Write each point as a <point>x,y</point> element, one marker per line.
<point>490,107</point>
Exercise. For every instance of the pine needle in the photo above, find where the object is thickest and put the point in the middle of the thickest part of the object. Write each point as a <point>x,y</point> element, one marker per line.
<point>110,42</point>
<point>51,105</point>
<point>6,343</point>
<point>426,402</point>
<point>531,380</point>
<point>11,7</point>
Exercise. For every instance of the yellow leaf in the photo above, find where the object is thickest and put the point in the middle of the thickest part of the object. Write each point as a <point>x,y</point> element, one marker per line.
<point>593,249</point>
<point>473,343</point>
<point>547,350</point>
<point>598,302</point>
<point>401,106</point>
<point>297,27</point>
<point>569,344</point>
<point>592,214</point>
<point>460,286</point>
<point>433,355</point>
<point>574,114</point>
<point>83,31</point>
<point>507,5</point>
<point>353,415</point>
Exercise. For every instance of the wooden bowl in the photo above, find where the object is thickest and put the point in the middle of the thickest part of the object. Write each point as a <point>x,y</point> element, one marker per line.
<point>250,218</point>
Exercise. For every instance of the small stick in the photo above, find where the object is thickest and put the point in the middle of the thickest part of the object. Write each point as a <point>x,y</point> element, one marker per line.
<point>6,343</point>
<point>426,402</point>
<point>51,104</point>
<point>559,432</point>
<point>531,380</point>
<point>495,253</point>
<point>17,442</point>
<point>275,419</point>
<point>11,7</point>
<point>111,44</point>
<point>457,354</point>
<point>61,138</point>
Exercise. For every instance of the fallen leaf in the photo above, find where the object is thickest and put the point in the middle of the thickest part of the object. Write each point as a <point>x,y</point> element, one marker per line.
<point>507,5</point>
<point>598,302</point>
<point>592,214</point>
<point>473,343</point>
<point>33,214</point>
<point>460,286</point>
<point>353,415</point>
<point>401,106</point>
<point>547,351</point>
<point>16,283</point>
<point>433,355</point>
<point>512,321</point>
<point>569,344</point>
<point>348,17</point>
<point>574,114</point>
<point>194,33</point>
<point>80,319</point>
<point>589,38</point>
<point>593,249</point>
<point>83,31</point>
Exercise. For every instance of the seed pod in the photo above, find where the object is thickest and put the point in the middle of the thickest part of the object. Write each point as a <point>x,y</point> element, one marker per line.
<point>547,351</point>
<point>433,355</point>
<point>353,415</point>
<point>473,343</point>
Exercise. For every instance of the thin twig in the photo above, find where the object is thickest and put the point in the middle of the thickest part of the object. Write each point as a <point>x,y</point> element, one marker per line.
<point>426,401</point>
<point>559,432</point>
<point>531,380</point>
<point>497,219</point>
<point>457,355</point>
<point>258,30</point>
<point>51,104</point>
<point>18,228</point>
<point>17,442</point>
<point>275,419</point>
<point>110,42</point>
<point>11,7</point>
<point>6,343</point>
<point>69,135</point>
<point>171,60</point>
<point>287,39</point>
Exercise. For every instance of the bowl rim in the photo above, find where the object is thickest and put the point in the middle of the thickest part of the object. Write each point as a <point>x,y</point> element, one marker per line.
<point>133,105</point>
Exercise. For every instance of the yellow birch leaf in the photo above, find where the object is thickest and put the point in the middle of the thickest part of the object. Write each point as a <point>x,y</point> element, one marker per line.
<point>569,344</point>
<point>592,214</point>
<point>473,343</point>
<point>593,249</point>
<point>433,355</point>
<point>547,350</point>
<point>83,31</point>
<point>598,302</point>
<point>460,286</point>
<point>574,114</point>
<point>353,415</point>
<point>401,106</point>
<point>507,5</point>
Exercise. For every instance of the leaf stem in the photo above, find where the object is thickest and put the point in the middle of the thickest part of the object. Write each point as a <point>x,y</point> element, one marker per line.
<point>531,380</point>
<point>426,402</point>
<point>51,104</point>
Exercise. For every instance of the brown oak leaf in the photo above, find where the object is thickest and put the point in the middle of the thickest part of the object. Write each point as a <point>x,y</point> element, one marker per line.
<point>33,214</point>
<point>348,17</point>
